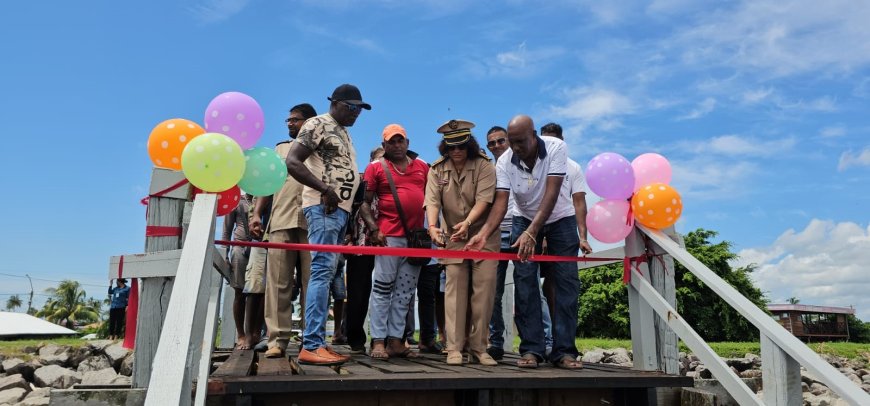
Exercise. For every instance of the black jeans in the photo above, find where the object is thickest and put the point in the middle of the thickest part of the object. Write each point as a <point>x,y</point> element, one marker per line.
<point>427,291</point>
<point>116,320</point>
<point>359,288</point>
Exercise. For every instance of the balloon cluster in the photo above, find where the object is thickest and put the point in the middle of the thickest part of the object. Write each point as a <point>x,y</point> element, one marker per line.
<point>220,157</point>
<point>632,191</point>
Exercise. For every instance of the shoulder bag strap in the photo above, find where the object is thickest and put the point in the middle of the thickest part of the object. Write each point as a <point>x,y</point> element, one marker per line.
<point>395,196</point>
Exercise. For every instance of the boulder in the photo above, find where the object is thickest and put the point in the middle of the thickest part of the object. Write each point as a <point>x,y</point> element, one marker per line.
<point>38,392</point>
<point>619,356</point>
<point>13,381</point>
<point>818,389</point>
<point>116,354</point>
<point>750,373</point>
<point>35,401</point>
<point>32,349</point>
<point>805,387</point>
<point>102,377</point>
<point>100,345</point>
<point>79,354</point>
<point>740,364</point>
<point>754,359</point>
<point>54,355</point>
<point>593,356</point>
<point>807,377</point>
<point>854,378</point>
<point>56,377</point>
<point>703,372</point>
<point>127,365</point>
<point>11,396</point>
<point>693,365</point>
<point>866,378</point>
<point>14,366</point>
<point>94,363</point>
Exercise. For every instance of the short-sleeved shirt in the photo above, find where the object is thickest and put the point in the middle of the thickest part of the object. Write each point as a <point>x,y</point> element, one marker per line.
<point>410,186</point>
<point>527,186</point>
<point>287,202</point>
<point>119,297</point>
<point>236,222</point>
<point>455,193</point>
<point>333,160</point>
<point>574,181</point>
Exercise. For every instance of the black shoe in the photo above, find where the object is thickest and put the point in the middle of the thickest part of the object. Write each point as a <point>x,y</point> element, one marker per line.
<point>358,349</point>
<point>495,352</point>
<point>412,341</point>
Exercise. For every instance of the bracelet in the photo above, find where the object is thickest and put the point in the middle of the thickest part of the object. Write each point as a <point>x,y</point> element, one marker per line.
<point>468,222</point>
<point>526,232</point>
<point>582,240</point>
<point>432,226</point>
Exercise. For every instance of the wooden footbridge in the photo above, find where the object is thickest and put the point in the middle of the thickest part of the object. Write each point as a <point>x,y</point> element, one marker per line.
<point>177,362</point>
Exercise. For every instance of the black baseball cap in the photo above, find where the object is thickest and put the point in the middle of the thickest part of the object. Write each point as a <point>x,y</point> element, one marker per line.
<point>349,94</point>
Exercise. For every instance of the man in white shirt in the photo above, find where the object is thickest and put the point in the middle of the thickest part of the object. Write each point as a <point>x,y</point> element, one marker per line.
<point>532,172</point>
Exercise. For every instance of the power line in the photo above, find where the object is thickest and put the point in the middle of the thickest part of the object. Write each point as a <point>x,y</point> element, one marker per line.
<point>50,280</point>
<point>24,294</point>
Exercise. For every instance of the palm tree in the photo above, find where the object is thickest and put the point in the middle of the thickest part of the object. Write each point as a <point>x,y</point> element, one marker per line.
<point>68,305</point>
<point>793,300</point>
<point>13,303</point>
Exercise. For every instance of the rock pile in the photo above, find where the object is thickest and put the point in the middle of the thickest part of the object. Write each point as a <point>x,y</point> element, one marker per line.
<point>29,382</point>
<point>815,393</point>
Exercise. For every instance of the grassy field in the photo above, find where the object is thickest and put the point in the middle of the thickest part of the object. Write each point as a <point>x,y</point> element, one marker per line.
<point>15,348</point>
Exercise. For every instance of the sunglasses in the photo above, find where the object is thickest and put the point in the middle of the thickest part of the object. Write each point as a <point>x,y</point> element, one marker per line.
<point>499,141</point>
<point>293,120</point>
<point>455,147</point>
<point>352,107</point>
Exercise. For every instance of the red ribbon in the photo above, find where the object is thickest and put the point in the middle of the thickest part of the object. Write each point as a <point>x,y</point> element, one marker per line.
<point>121,267</point>
<point>177,185</point>
<point>410,252</point>
<point>162,231</point>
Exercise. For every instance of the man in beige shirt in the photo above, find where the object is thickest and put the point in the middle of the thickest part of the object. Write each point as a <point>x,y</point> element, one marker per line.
<point>324,160</point>
<point>286,225</point>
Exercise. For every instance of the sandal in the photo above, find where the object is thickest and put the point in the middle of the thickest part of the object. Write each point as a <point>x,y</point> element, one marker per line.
<point>379,351</point>
<point>528,360</point>
<point>397,349</point>
<point>568,362</point>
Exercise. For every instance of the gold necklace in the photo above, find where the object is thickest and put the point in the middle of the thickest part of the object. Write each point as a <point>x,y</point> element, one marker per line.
<point>396,168</point>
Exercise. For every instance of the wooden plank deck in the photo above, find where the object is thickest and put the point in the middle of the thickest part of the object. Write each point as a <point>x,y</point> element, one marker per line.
<point>245,373</point>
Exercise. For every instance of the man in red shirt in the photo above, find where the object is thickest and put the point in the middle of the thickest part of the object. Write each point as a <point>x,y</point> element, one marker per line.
<point>394,280</point>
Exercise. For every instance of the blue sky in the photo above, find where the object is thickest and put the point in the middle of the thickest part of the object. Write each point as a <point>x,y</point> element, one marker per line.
<point>760,106</point>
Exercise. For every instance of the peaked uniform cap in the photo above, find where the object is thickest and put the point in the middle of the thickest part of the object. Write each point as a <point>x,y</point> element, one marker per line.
<point>456,132</point>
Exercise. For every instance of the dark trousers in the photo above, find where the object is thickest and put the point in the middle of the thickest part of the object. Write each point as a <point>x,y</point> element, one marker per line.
<point>116,320</point>
<point>359,288</point>
<point>427,294</point>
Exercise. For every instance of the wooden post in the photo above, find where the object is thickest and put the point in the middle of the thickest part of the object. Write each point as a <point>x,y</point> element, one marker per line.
<point>780,375</point>
<point>166,210</point>
<point>507,308</point>
<point>641,316</point>
<point>228,324</point>
<point>667,342</point>
<point>180,343</point>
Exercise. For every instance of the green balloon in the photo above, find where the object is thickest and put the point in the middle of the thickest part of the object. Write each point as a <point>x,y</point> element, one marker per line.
<point>213,162</point>
<point>265,172</point>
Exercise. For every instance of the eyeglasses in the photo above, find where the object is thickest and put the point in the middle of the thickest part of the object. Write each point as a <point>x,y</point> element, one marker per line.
<point>457,147</point>
<point>352,107</point>
<point>492,143</point>
<point>294,120</point>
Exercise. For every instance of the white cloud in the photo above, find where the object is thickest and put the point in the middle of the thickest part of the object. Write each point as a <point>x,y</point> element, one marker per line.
<point>849,159</point>
<point>736,145</point>
<point>706,177</point>
<point>781,38</point>
<point>757,95</point>
<point>832,132</point>
<point>703,108</point>
<point>825,264</point>
<point>214,11</point>
<point>590,105</point>
<point>518,62</point>
<point>353,41</point>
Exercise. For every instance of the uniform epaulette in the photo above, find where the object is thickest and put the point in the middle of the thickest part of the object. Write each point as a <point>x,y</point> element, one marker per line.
<point>484,155</point>
<point>439,161</point>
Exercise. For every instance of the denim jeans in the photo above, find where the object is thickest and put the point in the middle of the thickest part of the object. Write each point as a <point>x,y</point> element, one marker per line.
<point>322,229</point>
<point>496,323</point>
<point>394,282</point>
<point>562,239</point>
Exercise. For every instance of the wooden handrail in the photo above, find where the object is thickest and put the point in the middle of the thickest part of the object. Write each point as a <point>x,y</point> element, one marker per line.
<point>768,327</point>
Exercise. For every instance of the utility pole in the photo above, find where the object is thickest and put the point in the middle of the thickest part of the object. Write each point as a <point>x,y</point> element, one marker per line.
<point>29,302</point>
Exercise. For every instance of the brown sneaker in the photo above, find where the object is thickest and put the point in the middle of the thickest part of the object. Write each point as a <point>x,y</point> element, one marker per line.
<point>337,354</point>
<point>320,356</point>
<point>274,352</point>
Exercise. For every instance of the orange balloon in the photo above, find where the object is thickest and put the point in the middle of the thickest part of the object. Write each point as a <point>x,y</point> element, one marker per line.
<point>657,205</point>
<point>168,139</point>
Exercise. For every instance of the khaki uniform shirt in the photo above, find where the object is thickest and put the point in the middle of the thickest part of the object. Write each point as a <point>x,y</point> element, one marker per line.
<point>333,160</point>
<point>455,193</point>
<point>287,202</point>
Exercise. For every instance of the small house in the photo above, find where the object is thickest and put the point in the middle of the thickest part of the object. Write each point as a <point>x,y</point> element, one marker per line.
<point>813,323</point>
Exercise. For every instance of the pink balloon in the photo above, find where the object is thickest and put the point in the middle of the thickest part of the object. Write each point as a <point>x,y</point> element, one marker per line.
<point>610,176</point>
<point>237,116</point>
<point>650,168</point>
<point>608,220</point>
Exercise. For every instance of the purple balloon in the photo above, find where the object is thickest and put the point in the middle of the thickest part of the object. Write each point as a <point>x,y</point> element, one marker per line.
<point>237,116</point>
<point>610,176</point>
